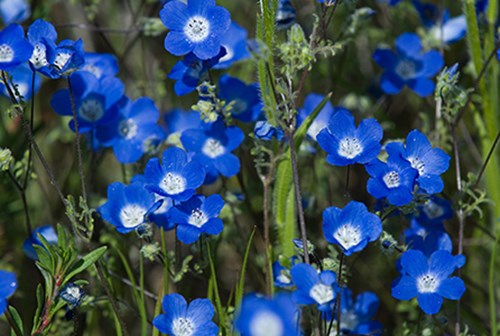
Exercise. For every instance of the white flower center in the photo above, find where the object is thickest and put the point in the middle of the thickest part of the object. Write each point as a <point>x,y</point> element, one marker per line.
<point>197,218</point>
<point>61,59</point>
<point>428,283</point>
<point>239,106</point>
<point>391,179</point>
<point>418,164</point>
<point>173,184</point>
<point>266,323</point>
<point>405,69</point>
<point>197,28</point>
<point>96,71</point>
<point>229,54</point>
<point>213,148</point>
<point>349,148</point>
<point>91,110</point>
<point>321,293</point>
<point>182,327</point>
<point>6,53</point>
<point>132,215</point>
<point>432,210</point>
<point>347,236</point>
<point>127,128</point>
<point>284,278</point>
<point>39,57</point>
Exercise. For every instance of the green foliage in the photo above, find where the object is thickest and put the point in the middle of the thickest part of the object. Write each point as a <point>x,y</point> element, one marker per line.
<point>81,219</point>
<point>6,159</point>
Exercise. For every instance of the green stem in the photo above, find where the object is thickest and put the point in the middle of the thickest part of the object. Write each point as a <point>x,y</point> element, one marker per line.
<point>218,303</point>
<point>144,322</point>
<point>492,289</point>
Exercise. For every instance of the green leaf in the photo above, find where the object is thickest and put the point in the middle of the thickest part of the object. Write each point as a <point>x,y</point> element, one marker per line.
<point>17,321</point>
<point>218,302</point>
<point>240,287</point>
<point>284,206</point>
<point>84,263</point>
<point>39,305</point>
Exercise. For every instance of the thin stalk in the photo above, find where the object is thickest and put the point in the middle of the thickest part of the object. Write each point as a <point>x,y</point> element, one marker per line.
<point>32,118</point>
<point>144,322</point>
<point>77,141</point>
<point>347,176</point>
<point>266,183</point>
<point>22,193</point>
<point>492,289</point>
<point>488,157</point>
<point>298,197</point>
<point>164,251</point>
<point>339,297</point>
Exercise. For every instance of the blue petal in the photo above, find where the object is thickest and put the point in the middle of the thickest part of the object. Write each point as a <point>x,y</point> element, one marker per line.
<point>328,277</point>
<point>163,323</point>
<point>187,233</point>
<point>3,306</point>
<point>174,305</point>
<point>421,86</point>
<point>213,205</point>
<point>414,263</point>
<point>228,165</point>
<point>391,83</point>
<point>431,184</point>
<point>376,188</point>
<point>304,277</point>
<point>194,173</point>
<point>341,125</point>
<point>178,44</point>
<point>174,159</point>
<point>214,226</point>
<point>8,284</point>
<point>453,29</point>
<point>193,140</point>
<point>174,15</point>
<point>452,288</point>
<point>408,44</point>
<point>235,137</point>
<point>436,161</point>
<point>366,305</point>
<point>430,303</point>
<point>207,49</point>
<point>442,264</point>
<point>61,102</point>
<point>199,6</point>
<point>405,289</point>
<point>200,311</point>
<point>400,196</point>
<point>385,58</point>
<point>433,63</point>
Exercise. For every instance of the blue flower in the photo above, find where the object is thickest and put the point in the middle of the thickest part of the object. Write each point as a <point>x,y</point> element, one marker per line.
<point>42,35</point>
<point>100,65</point>
<point>191,70</point>
<point>14,48</point>
<point>177,121</point>
<point>394,179</point>
<point>93,100</point>
<point>47,232</point>
<point>234,41</point>
<point>408,66</point>
<point>14,11</point>
<point>196,216</point>
<point>135,124</point>
<point>313,288</point>
<point>22,77</point>
<point>213,146</point>
<point>357,315</point>
<point>434,211</point>
<point>352,227</point>
<point>281,274</point>
<point>196,27</point>
<point>176,177</point>
<point>346,144</point>
<point>67,57</point>
<point>429,162</point>
<point>440,25</point>
<point>265,131</point>
<point>285,15</point>
<point>245,99</point>
<point>182,319</point>
<point>428,280</point>
<point>261,316</point>
<point>310,103</point>
<point>127,206</point>
<point>72,294</point>
<point>8,285</point>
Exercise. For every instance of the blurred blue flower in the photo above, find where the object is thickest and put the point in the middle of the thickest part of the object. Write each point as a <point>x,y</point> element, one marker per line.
<point>181,319</point>
<point>100,65</point>
<point>310,103</point>
<point>176,176</point>
<point>213,145</point>
<point>67,57</point>
<point>196,216</point>
<point>265,131</point>
<point>352,227</point>
<point>285,14</point>
<point>434,211</point>
<point>428,280</point>
<point>47,232</point>
<point>313,288</point>
<point>93,100</point>
<point>177,121</point>
<point>22,77</point>
<point>346,144</point>
<point>429,162</point>
<point>246,101</point>
<point>14,11</point>
<point>72,294</point>
<point>134,127</point>
<point>127,207</point>
<point>408,66</point>
<point>191,70</point>
<point>357,315</point>
<point>281,274</point>
<point>394,180</point>
<point>235,43</point>
<point>261,316</point>
<point>196,27</point>
<point>8,285</point>
<point>14,48</point>
<point>440,25</point>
